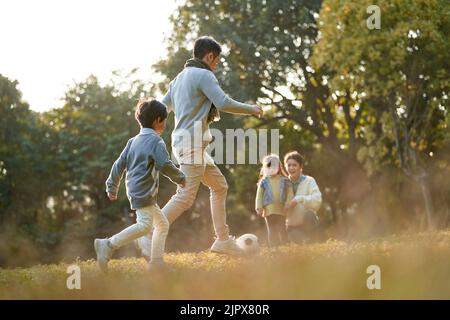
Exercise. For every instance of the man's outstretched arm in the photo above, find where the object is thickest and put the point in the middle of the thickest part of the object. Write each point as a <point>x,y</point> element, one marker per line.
<point>211,88</point>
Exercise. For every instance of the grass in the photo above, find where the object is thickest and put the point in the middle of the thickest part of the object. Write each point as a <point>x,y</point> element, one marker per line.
<point>413,266</point>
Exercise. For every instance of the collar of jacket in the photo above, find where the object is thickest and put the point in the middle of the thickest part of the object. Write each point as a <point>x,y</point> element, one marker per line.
<point>197,63</point>
<point>147,131</point>
<point>300,179</point>
<point>213,114</point>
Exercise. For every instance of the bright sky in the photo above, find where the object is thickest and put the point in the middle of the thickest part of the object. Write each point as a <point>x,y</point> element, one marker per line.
<point>48,44</point>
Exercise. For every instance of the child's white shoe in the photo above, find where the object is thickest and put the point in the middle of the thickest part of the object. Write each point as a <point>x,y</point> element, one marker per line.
<point>104,252</point>
<point>227,247</point>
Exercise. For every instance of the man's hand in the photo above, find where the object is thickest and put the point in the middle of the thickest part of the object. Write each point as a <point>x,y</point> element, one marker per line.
<point>257,111</point>
<point>112,196</point>
<point>260,212</point>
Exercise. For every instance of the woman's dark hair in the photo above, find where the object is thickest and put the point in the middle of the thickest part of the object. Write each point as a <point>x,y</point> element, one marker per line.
<point>294,155</point>
<point>205,45</point>
<point>148,110</point>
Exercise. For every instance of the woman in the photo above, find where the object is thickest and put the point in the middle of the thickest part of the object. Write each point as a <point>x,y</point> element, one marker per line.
<point>301,217</point>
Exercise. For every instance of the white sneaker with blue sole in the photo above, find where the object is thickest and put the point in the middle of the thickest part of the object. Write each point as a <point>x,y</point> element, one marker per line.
<point>227,247</point>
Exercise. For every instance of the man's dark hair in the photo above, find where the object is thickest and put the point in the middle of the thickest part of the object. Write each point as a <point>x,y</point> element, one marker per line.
<point>205,45</point>
<point>148,110</point>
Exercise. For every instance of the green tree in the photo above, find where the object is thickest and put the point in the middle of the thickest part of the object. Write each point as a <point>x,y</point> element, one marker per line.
<point>53,167</point>
<point>269,44</point>
<point>25,162</point>
<point>88,134</point>
<point>401,73</point>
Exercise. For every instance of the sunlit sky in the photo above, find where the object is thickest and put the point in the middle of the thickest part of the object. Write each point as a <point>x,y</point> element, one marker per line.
<point>48,44</point>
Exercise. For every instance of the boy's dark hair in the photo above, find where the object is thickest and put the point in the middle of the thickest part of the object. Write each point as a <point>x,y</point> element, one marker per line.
<point>205,45</point>
<point>148,110</point>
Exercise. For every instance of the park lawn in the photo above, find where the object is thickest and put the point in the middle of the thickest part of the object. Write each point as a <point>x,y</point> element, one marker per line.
<point>413,266</point>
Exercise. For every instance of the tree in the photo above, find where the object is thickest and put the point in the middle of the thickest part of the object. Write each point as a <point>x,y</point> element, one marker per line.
<point>269,45</point>
<point>88,134</point>
<point>53,168</point>
<point>25,162</point>
<point>401,71</point>
<point>22,159</point>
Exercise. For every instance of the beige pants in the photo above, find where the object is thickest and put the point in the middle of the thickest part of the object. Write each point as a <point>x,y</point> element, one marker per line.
<point>146,218</point>
<point>184,198</point>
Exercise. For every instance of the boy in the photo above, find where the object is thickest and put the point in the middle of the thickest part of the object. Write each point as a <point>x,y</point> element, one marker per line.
<point>142,159</point>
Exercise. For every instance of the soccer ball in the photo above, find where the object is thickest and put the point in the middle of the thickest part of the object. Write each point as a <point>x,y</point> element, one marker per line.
<point>248,243</point>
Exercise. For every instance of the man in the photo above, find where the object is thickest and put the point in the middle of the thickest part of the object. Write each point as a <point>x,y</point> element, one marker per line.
<point>196,99</point>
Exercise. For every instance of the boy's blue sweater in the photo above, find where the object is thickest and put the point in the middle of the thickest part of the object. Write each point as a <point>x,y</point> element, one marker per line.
<point>142,159</point>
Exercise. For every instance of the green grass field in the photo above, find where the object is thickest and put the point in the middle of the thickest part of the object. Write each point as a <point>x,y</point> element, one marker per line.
<point>413,266</point>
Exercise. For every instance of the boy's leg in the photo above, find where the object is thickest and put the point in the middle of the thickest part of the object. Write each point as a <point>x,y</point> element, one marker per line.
<point>184,198</point>
<point>218,187</point>
<point>105,247</point>
<point>161,229</point>
<point>142,226</point>
<point>144,245</point>
<point>181,201</point>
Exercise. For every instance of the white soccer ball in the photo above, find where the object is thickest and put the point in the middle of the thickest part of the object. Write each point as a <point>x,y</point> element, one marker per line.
<point>248,242</point>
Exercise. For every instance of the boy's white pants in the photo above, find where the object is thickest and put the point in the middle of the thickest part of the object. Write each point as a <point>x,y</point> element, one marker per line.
<point>146,218</point>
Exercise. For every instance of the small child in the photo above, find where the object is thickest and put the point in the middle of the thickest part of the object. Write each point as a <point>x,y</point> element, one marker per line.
<point>273,191</point>
<point>142,159</point>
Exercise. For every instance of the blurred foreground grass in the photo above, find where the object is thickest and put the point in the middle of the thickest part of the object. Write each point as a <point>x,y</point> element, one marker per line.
<point>413,266</point>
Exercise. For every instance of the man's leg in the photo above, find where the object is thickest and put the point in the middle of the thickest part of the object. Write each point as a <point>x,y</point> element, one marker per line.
<point>218,187</point>
<point>184,198</point>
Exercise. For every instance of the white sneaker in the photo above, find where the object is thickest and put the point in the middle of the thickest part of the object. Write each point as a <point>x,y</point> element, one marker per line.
<point>227,247</point>
<point>144,245</point>
<point>104,252</point>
